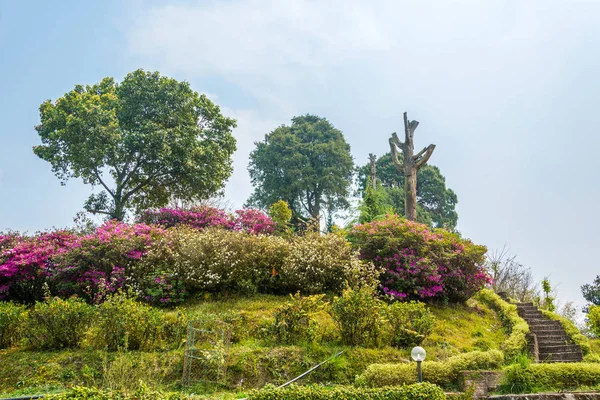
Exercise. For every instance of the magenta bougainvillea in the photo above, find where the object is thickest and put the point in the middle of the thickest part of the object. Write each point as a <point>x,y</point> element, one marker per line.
<point>421,263</point>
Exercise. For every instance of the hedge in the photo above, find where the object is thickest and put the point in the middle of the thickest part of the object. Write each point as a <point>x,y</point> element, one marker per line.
<point>549,377</point>
<point>88,393</point>
<point>516,326</point>
<point>419,391</point>
<point>442,373</point>
<point>572,332</point>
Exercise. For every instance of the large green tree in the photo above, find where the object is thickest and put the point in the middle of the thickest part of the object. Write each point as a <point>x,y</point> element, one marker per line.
<point>145,140</point>
<point>308,164</point>
<point>433,197</point>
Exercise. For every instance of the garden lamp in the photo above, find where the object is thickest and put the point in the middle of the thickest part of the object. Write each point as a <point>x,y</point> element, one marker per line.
<point>418,354</point>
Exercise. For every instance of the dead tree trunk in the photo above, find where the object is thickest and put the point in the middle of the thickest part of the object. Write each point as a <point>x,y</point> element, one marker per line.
<point>373,161</point>
<point>410,164</point>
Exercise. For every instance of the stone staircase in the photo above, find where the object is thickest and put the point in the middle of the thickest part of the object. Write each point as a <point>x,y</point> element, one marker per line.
<point>548,341</point>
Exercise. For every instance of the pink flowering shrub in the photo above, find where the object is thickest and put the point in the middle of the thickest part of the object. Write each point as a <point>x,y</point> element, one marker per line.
<point>253,221</point>
<point>200,217</point>
<point>420,262</point>
<point>25,263</point>
<point>196,217</point>
<point>103,262</point>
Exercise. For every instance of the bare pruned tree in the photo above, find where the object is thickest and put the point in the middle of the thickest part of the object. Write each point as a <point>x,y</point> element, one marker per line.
<point>510,276</point>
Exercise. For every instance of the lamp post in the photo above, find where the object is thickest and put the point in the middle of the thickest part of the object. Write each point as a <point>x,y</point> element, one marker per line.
<point>418,354</point>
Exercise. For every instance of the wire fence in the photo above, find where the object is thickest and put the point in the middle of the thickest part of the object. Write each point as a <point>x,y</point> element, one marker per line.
<point>205,357</point>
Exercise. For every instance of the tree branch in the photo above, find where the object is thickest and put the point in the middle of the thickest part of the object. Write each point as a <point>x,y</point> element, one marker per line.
<point>102,183</point>
<point>409,128</point>
<point>428,152</point>
<point>99,212</point>
<point>393,143</point>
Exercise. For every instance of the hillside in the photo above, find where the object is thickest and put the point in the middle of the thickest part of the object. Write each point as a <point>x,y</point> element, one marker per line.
<point>254,359</point>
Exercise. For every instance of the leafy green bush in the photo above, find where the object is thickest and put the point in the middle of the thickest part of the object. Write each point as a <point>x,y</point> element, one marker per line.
<point>357,313</point>
<point>572,331</point>
<point>410,322</point>
<point>422,391</point>
<point>281,215</point>
<point>442,373</point>
<point>294,320</point>
<point>58,323</point>
<point>514,325</point>
<point>125,323</point>
<point>12,317</point>
<point>549,377</point>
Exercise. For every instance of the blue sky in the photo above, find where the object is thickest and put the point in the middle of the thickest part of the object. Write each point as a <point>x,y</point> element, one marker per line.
<point>507,90</point>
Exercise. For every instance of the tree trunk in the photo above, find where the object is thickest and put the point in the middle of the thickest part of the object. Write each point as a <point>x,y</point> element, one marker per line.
<point>410,199</point>
<point>409,165</point>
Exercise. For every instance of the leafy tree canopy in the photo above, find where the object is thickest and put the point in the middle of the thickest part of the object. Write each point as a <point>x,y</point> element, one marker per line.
<point>591,291</point>
<point>307,164</point>
<point>145,140</point>
<point>436,204</point>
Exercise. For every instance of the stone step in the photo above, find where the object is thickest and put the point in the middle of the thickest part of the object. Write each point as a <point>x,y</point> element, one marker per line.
<point>530,314</point>
<point>560,348</point>
<point>560,357</point>
<point>544,325</point>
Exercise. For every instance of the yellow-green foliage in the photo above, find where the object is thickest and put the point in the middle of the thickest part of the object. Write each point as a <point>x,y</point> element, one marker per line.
<point>58,323</point>
<point>576,336</point>
<point>442,373</point>
<point>463,327</point>
<point>86,393</point>
<point>294,321</point>
<point>550,377</point>
<point>11,323</point>
<point>357,313</point>
<point>516,326</point>
<point>424,391</point>
<point>410,322</point>
<point>281,215</point>
<point>124,323</point>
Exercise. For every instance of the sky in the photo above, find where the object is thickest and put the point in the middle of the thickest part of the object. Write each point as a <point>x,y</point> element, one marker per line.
<point>507,90</point>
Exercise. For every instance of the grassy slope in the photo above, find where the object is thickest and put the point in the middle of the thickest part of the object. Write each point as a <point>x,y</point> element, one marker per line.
<point>254,360</point>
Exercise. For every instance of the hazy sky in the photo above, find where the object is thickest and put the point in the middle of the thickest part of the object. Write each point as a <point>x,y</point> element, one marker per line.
<point>507,90</point>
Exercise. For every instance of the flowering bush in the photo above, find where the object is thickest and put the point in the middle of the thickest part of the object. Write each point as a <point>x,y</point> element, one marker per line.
<point>420,262</point>
<point>217,260</point>
<point>253,221</point>
<point>103,262</point>
<point>200,217</point>
<point>24,263</point>
<point>320,263</point>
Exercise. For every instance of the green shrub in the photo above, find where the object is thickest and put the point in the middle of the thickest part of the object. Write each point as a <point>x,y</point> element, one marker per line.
<point>281,215</point>
<point>58,323</point>
<point>125,323</point>
<point>410,323</point>
<point>442,373</point>
<point>572,331</point>
<point>514,325</point>
<point>549,377</point>
<point>422,391</point>
<point>357,313</point>
<point>294,320</point>
<point>12,317</point>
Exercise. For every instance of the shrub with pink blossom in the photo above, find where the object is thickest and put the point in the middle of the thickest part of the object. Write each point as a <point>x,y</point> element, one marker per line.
<point>25,262</point>
<point>103,262</point>
<point>254,221</point>
<point>248,219</point>
<point>196,217</point>
<point>420,262</point>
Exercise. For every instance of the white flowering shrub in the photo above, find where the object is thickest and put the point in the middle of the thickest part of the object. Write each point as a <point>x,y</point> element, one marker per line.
<point>323,263</point>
